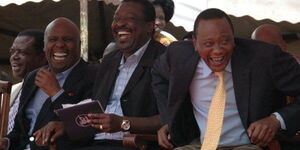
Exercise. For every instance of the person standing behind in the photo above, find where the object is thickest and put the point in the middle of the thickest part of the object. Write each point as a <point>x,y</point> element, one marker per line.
<point>26,55</point>
<point>66,79</point>
<point>271,34</point>
<point>164,10</point>
<point>222,92</point>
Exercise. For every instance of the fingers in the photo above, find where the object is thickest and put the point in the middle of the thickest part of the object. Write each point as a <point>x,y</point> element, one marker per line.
<point>163,138</point>
<point>263,131</point>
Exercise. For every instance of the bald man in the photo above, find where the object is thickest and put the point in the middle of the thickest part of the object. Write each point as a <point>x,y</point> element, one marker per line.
<point>271,34</point>
<point>45,89</point>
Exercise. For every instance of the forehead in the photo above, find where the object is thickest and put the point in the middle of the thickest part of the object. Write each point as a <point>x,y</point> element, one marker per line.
<point>213,27</point>
<point>130,8</point>
<point>23,41</point>
<point>62,29</point>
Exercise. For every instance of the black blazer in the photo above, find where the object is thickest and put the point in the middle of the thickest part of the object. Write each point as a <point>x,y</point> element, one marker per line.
<point>137,99</point>
<point>77,87</point>
<point>262,76</point>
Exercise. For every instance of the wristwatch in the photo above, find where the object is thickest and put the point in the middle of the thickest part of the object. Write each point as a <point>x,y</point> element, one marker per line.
<point>125,125</point>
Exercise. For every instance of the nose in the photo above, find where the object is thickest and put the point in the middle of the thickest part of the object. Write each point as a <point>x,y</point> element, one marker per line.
<point>119,23</point>
<point>60,43</point>
<point>15,55</point>
<point>217,49</point>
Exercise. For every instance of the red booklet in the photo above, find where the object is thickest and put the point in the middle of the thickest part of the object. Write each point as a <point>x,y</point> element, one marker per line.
<point>75,119</point>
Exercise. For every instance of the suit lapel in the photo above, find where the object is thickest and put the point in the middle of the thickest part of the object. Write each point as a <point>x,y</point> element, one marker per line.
<point>241,82</point>
<point>111,72</point>
<point>185,75</point>
<point>15,92</point>
<point>28,94</point>
<point>146,61</point>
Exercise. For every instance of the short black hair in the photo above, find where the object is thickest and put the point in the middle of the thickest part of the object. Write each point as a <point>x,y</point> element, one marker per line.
<point>149,11</point>
<point>167,6</point>
<point>212,13</point>
<point>38,36</point>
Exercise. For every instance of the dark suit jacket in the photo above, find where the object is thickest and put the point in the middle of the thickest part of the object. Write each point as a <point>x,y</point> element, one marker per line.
<point>262,74</point>
<point>77,87</point>
<point>137,99</point>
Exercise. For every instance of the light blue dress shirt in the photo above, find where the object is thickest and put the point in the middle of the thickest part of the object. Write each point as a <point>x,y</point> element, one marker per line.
<point>126,69</point>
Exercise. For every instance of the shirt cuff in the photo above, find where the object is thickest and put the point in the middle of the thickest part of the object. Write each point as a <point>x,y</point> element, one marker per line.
<point>53,98</point>
<point>279,118</point>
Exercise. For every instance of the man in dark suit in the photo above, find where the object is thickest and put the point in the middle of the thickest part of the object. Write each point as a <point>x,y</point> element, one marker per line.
<point>26,55</point>
<point>123,83</point>
<point>256,76</point>
<point>45,89</point>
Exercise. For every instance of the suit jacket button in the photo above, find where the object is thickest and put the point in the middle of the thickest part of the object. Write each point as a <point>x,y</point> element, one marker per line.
<point>124,100</point>
<point>31,139</point>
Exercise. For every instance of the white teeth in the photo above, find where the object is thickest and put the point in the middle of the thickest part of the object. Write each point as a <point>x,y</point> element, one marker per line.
<point>60,54</point>
<point>123,33</point>
<point>217,60</point>
<point>59,58</point>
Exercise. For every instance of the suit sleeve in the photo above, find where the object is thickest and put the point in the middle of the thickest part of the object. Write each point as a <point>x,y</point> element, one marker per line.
<point>285,73</point>
<point>160,85</point>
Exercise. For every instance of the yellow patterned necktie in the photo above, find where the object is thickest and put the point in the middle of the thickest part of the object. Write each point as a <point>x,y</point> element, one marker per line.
<point>215,116</point>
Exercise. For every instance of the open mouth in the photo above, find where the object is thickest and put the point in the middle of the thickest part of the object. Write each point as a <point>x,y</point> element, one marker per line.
<point>217,60</point>
<point>60,56</point>
<point>16,66</point>
<point>123,35</point>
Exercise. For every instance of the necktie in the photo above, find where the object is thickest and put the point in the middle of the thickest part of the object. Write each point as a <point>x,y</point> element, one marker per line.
<point>13,112</point>
<point>215,116</point>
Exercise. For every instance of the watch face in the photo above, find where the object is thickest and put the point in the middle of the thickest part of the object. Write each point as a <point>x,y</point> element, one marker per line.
<point>125,125</point>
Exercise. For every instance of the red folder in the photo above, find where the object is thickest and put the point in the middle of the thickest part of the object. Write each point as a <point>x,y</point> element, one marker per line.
<point>75,117</point>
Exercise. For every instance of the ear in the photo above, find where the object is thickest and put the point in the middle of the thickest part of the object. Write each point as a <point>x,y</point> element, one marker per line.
<point>194,39</point>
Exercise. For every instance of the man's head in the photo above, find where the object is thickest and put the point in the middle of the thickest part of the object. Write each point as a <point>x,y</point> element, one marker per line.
<point>62,44</point>
<point>270,34</point>
<point>26,52</point>
<point>213,38</point>
<point>133,25</point>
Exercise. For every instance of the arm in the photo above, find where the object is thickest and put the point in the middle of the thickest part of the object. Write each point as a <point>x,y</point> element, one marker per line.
<point>160,85</point>
<point>285,74</point>
<point>112,123</point>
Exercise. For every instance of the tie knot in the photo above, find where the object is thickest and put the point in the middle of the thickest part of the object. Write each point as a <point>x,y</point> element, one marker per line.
<point>220,74</point>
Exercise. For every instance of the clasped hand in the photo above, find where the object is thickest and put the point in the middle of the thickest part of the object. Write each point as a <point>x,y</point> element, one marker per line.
<point>47,82</point>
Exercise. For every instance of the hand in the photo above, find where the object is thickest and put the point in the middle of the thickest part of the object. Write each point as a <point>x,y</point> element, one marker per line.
<point>47,82</point>
<point>164,137</point>
<point>49,133</point>
<point>3,143</point>
<point>109,123</point>
<point>262,132</point>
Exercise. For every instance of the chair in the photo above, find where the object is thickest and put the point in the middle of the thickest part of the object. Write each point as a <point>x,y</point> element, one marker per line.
<point>5,89</point>
<point>140,141</point>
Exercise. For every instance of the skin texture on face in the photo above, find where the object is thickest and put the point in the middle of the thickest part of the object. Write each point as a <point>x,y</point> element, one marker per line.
<point>129,28</point>
<point>160,22</point>
<point>62,44</point>
<point>270,34</point>
<point>214,42</point>
<point>23,56</point>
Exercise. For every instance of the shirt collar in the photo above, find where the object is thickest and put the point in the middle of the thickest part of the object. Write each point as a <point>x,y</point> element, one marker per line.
<point>65,73</point>
<point>137,55</point>
<point>206,71</point>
